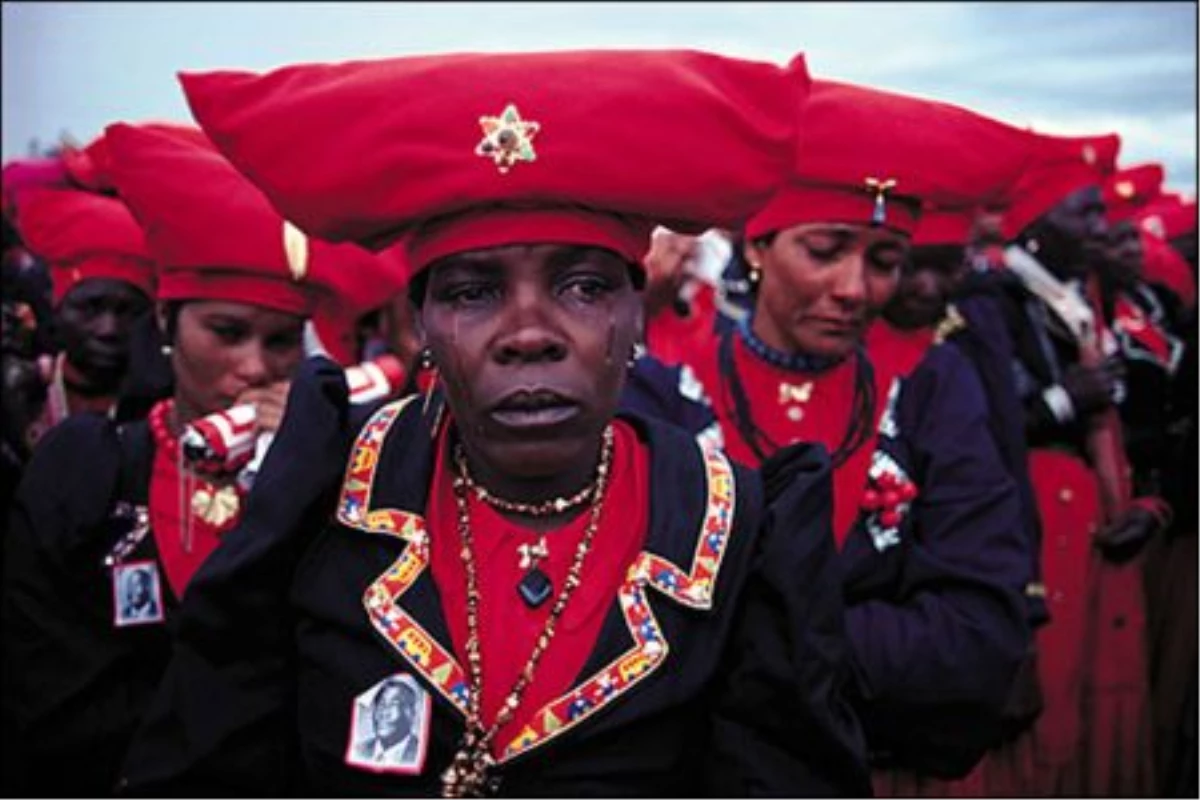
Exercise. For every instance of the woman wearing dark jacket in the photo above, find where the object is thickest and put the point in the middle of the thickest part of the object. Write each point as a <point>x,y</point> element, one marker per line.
<point>110,523</point>
<point>927,516</point>
<point>582,602</point>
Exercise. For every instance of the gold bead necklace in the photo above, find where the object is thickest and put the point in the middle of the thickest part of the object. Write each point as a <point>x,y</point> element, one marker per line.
<point>467,775</point>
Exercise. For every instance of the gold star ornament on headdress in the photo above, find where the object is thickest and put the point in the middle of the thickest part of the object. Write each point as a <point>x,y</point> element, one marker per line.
<point>507,139</point>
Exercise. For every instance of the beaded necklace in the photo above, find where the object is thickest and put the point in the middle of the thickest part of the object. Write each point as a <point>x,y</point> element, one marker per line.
<point>467,775</point>
<point>215,505</point>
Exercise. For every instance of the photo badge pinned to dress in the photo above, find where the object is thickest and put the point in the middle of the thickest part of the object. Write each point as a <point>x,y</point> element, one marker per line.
<point>137,594</point>
<point>389,726</point>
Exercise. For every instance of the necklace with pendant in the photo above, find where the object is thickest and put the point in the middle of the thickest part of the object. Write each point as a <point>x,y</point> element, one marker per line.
<point>535,586</point>
<point>469,772</point>
<point>215,505</point>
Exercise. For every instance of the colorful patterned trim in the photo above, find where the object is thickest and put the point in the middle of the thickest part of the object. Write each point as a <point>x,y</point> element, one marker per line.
<point>650,648</point>
<point>402,632</point>
<point>354,505</point>
<point>354,510</point>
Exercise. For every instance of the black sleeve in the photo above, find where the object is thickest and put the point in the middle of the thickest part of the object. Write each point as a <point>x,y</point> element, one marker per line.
<point>73,687</point>
<point>935,656</point>
<point>783,725</point>
<point>222,721</point>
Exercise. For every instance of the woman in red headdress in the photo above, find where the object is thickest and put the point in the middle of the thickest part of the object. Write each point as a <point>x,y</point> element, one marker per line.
<point>505,584</point>
<point>926,511</point>
<point>110,522</point>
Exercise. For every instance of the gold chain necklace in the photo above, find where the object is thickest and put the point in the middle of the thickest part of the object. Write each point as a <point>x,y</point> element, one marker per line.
<point>557,505</point>
<point>467,775</point>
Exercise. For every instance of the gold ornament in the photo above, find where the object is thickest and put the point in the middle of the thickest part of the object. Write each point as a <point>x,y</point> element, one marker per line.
<point>215,506</point>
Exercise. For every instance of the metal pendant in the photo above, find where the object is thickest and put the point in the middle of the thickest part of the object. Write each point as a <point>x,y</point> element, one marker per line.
<point>535,588</point>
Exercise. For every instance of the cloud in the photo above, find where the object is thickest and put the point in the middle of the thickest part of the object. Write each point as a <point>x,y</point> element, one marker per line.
<point>1087,67</point>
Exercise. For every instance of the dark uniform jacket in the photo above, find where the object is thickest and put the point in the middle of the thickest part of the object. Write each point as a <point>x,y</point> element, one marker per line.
<point>935,610</point>
<point>75,684</point>
<point>719,671</point>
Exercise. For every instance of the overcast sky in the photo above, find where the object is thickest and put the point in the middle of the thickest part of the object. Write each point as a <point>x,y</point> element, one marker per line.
<point>1074,68</point>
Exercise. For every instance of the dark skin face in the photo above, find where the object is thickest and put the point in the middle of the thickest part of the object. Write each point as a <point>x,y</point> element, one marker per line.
<point>822,284</point>
<point>139,588</point>
<point>1072,236</point>
<point>1124,259</point>
<point>94,320</point>
<point>531,343</point>
<point>392,714</point>
<point>930,276</point>
<point>222,349</point>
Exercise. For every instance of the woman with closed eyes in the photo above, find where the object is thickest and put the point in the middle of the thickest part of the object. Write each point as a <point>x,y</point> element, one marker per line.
<point>926,516</point>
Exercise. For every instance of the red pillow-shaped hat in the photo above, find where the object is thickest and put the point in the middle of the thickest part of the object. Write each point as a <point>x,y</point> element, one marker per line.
<point>939,226</point>
<point>1163,265</point>
<point>355,281</point>
<point>30,173</point>
<point>1131,188</point>
<point>212,234</point>
<point>1061,165</point>
<point>478,150</point>
<point>83,235</point>
<point>872,157</point>
<point>1168,216</point>
<point>90,166</point>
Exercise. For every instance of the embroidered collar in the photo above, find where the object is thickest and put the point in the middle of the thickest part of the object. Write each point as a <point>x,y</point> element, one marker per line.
<point>792,362</point>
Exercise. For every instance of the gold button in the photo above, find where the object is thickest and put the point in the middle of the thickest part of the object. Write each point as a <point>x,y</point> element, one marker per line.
<point>795,413</point>
<point>1065,495</point>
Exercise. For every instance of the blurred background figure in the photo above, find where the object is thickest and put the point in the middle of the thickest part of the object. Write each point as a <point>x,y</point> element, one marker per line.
<point>103,283</point>
<point>682,273</point>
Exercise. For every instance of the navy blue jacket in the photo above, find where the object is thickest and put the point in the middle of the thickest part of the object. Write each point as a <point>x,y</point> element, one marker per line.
<point>936,612</point>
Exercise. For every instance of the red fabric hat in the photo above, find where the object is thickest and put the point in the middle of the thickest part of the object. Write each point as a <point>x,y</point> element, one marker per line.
<point>1131,188</point>
<point>860,150</point>
<point>356,281</point>
<point>1061,165</point>
<point>90,166</point>
<point>212,234</point>
<point>1168,216</point>
<point>83,235</point>
<point>480,150</point>
<point>938,226</point>
<point>30,173</point>
<point>1164,265</point>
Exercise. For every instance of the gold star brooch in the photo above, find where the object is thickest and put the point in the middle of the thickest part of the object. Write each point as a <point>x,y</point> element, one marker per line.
<point>507,138</point>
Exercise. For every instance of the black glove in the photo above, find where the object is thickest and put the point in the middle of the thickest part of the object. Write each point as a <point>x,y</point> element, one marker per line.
<point>1124,538</point>
<point>1091,388</point>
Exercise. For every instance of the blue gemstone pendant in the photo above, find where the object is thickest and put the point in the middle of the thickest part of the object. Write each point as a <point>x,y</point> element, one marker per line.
<point>535,588</point>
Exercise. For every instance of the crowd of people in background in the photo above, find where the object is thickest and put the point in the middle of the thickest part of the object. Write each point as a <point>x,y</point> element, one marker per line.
<point>311,408</point>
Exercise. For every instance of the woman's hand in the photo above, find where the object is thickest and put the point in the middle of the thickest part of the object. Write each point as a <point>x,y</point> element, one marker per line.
<point>269,403</point>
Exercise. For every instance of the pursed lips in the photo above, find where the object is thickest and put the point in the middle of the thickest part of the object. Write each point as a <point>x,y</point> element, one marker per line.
<point>534,407</point>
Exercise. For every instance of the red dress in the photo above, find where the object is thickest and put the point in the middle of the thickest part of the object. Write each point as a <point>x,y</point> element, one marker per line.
<point>183,537</point>
<point>791,406</point>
